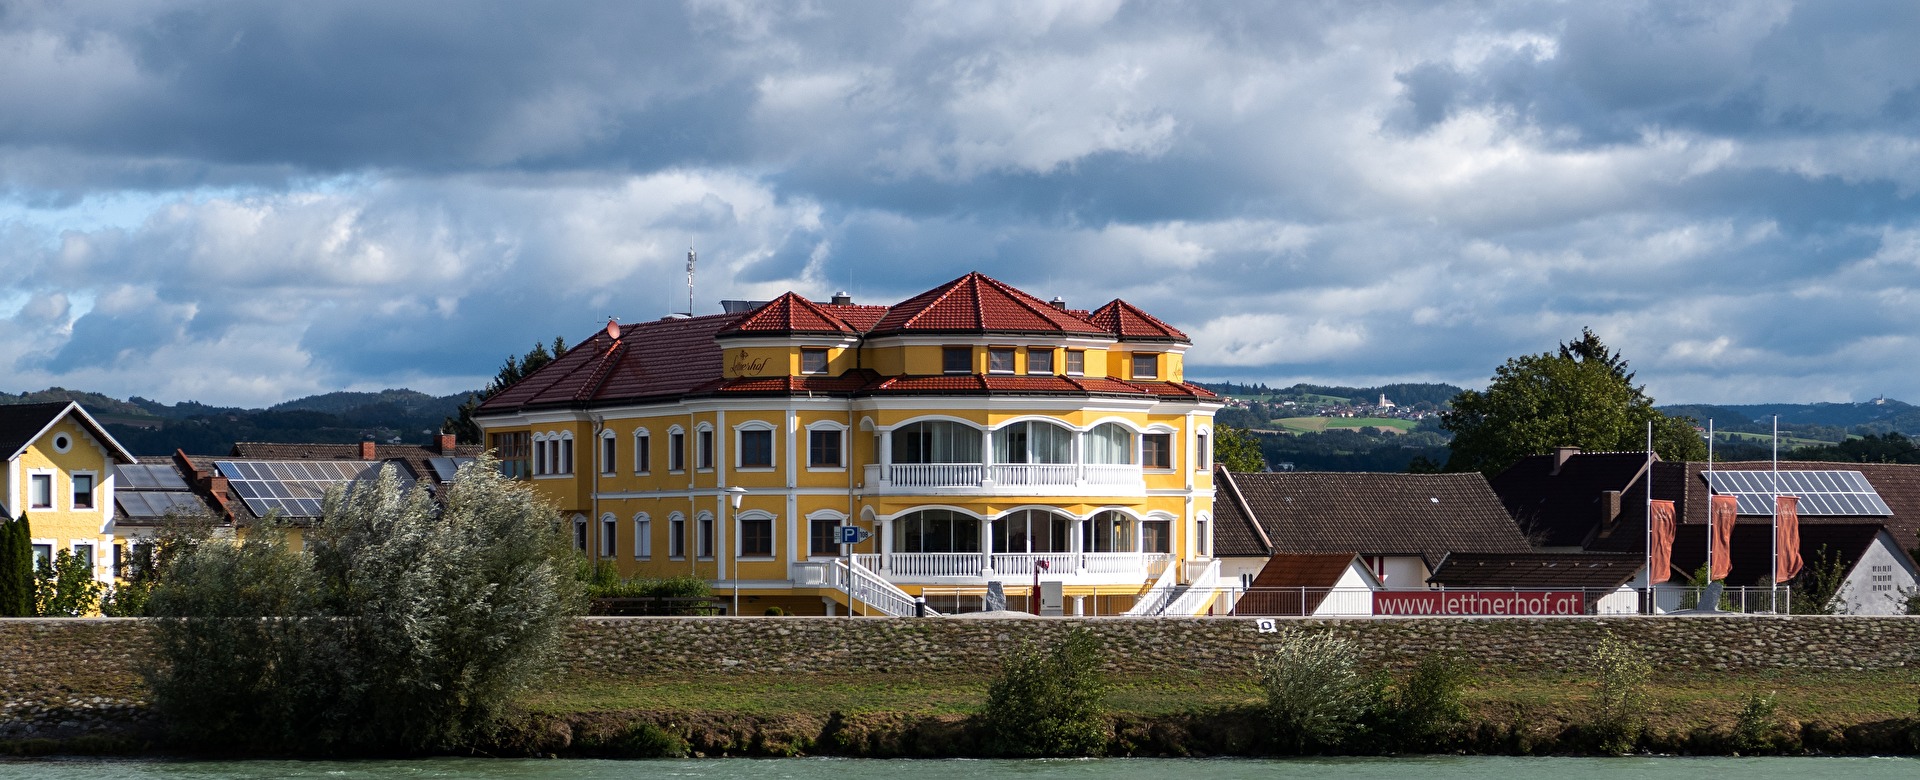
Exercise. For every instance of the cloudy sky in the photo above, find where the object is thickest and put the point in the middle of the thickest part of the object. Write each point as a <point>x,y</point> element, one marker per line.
<point>242,203</point>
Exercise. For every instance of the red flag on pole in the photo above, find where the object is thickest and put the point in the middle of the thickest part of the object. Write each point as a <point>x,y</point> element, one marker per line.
<point>1725,510</point>
<point>1661,532</point>
<point>1786,538</point>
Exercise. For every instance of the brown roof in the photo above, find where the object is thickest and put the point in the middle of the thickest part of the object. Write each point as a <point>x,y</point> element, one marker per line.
<point>1537,570</point>
<point>1127,322</point>
<point>658,359</point>
<point>1565,508</point>
<point>977,303</point>
<point>1428,515</point>
<point>1235,533</point>
<point>1293,584</point>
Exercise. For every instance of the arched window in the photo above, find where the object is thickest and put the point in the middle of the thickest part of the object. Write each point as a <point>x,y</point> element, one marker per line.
<point>642,536</point>
<point>1031,531</point>
<point>753,536</point>
<point>936,531</point>
<point>1156,535</point>
<point>676,536</point>
<point>580,533</point>
<point>704,528</point>
<point>1109,444</point>
<point>1108,531</point>
<point>609,530</point>
<point>936,441</point>
<point>1033,441</point>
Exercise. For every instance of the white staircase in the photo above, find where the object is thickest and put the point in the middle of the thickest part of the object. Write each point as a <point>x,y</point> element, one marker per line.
<point>861,586</point>
<point>1166,597</point>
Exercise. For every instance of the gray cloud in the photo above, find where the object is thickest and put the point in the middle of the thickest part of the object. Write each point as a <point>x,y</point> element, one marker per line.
<point>244,203</point>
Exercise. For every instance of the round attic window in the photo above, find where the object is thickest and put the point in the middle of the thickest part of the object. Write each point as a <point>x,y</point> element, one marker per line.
<point>62,442</point>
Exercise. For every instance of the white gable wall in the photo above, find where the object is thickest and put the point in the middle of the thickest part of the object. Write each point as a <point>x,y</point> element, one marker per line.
<point>1880,582</point>
<point>1351,595</point>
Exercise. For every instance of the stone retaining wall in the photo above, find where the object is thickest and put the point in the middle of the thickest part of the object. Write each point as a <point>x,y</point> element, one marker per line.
<point>63,665</point>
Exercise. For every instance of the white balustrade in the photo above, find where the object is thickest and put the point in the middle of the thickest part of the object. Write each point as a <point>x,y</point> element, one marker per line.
<point>918,565</point>
<point>1112,474</point>
<point>1015,475</point>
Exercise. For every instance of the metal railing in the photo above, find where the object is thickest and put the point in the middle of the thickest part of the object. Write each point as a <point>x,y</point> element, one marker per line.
<point>928,475</point>
<point>861,585</point>
<point>1198,597</point>
<point>907,566</point>
<point>1236,600</point>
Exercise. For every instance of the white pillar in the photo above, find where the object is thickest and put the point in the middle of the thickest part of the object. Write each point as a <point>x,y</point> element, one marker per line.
<point>986,457</point>
<point>1079,606</point>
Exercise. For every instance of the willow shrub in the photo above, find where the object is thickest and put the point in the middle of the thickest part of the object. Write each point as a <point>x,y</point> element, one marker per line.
<point>1046,700</point>
<point>404,625</point>
<point>1619,704</point>
<point>1317,699</point>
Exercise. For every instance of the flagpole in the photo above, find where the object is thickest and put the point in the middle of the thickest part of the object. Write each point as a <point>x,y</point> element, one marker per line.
<point>1649,567</point>
<point>1709,501</point>
<point>1773,587</point>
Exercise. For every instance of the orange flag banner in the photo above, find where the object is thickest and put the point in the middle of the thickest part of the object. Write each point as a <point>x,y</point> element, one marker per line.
<point>1786,537</point>
<point>1725,510</point>
<point>1660,525</point>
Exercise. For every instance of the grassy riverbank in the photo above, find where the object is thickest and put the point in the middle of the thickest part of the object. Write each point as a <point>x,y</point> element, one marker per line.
<point>1508,712</point>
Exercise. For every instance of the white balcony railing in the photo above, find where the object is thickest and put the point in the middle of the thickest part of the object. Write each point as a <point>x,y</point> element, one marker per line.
<point>1014,566</point>
<point>1008,475</point>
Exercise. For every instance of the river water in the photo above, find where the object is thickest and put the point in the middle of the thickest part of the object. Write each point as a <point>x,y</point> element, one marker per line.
<point>1435,768</point>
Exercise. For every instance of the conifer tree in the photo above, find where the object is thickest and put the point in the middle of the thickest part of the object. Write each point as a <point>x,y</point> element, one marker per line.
<point>16,568</point>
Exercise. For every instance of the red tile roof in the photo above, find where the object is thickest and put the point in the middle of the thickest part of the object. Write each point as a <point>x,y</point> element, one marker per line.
<point>676,357</point>
<point>1293,584</point>
<point>790,314</point>
<point>1127,322</point>
<point>976,303</point>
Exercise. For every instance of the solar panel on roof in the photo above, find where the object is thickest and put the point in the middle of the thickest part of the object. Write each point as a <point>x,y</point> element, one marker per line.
<point>295,489</point>
<point>1822,493</point>
<point>156,504</point>
<point>147,476</point>
<point>444,468</point>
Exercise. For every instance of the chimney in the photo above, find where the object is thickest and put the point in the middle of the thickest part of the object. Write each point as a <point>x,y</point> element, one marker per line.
<point>1058,303</point>
<point>1560,457</point>
<point>841,298</point>
<point>367,451</point>
<point>447,442</point>
<point>217,485</point>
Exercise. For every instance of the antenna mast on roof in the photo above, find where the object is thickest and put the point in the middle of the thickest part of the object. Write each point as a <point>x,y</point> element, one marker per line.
<point>691,257</point>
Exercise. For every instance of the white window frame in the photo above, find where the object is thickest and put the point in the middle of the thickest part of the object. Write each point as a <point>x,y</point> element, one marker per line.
<point>566,454</point>
<point>609,535</point>
<point>93,554</point>
<point>704,457</point>
<point>740,537</point>
<point>706,544</point>
<point>818,515</point>
<point>581,544</point>
<point>642,451</point>
<point>827,425</point>
<point>826,359</point>
<point>609,453</point>
<point>53,489</point>
<point>1049,353</point>
<point>740,449</point>
<point>73,491</point>
<point>57,436</point>
<point>1173,455</point>
<point>679,453</point>
<point>1013,360</point>
<point>1203,449</point>
<point>642,536</point>
<point>1066,363</point>
<point>677,532</point>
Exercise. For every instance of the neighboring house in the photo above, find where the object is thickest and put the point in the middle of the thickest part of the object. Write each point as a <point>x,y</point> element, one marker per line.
<point>1310,585</point>
<point>978,433</point>
<point>290,481</point>
<point>1866,513</point>
<point>60,471</point>
<point>1608,580</point>
<point>1401,525</point>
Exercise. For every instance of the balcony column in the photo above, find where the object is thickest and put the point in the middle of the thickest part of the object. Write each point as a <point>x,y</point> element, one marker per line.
<point>986,547</point>
<point>885,457</point>
<point>986,457</point>
<point>1079,458</point>
<point>885,527</point>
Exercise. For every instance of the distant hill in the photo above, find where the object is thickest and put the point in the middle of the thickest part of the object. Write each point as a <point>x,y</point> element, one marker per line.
<point>148,427</point>
<point>1403,393</point>
<point>1883,415</point>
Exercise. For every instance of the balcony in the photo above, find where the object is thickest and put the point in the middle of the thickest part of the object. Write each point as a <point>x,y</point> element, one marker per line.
<point>1074,568</point>
<point>1031,479</point>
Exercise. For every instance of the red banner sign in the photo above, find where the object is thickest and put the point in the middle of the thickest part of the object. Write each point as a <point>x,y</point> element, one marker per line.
<point>1479,602</point>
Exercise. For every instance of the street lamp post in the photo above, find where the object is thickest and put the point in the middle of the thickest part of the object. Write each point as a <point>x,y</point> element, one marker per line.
<point>734,494</point>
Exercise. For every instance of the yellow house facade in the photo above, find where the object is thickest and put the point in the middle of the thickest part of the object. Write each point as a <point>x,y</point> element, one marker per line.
<point>60,473</point>
<point>973,434</point>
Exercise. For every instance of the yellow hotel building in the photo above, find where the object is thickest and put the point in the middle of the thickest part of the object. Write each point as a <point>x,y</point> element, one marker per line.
<point>978,433</point>
<point>60,473</point>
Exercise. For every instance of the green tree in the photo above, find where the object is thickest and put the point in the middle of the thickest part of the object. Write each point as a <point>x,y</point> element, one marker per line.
<point>1238,450</point>
<point>16,568</point>
<point>462,426</point>
<point>1816,589</point>
<point>405,625</point>
<point>1583,396</point>
<point>1871,448</point>
<point>1046,702</point>
<point>1316,696</point>
<point>65,587</point>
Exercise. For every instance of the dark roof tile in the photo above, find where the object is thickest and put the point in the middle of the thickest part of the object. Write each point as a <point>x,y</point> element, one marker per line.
<point>1428,515</point>
<point>1539,570</point>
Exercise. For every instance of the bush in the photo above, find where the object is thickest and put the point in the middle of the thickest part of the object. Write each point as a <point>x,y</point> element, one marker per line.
<point>1754,731</point>
<point>405,625</point>
<point>1316,696</point>
<point>1620,698</point>
<point>1422,711</point>
<point>1046,702</point>
<point>66,588</point>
